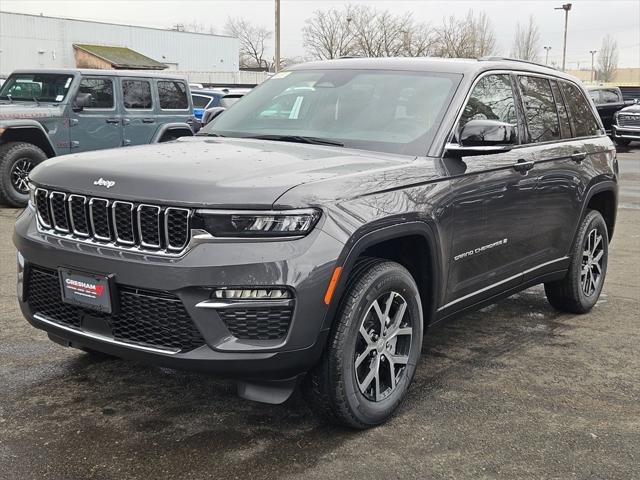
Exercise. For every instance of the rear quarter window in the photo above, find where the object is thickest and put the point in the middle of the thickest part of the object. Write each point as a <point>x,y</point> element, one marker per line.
<point>580,112</point>
<point>173,95</point>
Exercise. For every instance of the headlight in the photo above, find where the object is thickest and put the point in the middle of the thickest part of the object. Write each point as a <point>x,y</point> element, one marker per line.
<point>278,223</point>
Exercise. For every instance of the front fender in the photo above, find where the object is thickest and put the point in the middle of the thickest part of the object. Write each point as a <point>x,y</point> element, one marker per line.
<point>27,130</point>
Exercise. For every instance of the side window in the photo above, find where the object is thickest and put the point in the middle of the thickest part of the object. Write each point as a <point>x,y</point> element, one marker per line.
<point>200,101</point>
<point>136,94</point>
<point>491,99</point>
<point>595,96</point>
<point>173,95</point>
<point>580,112</point>
<point>101,90</point>
<point>540,109</point>
<point>563,116</point>
<point>609,96</point>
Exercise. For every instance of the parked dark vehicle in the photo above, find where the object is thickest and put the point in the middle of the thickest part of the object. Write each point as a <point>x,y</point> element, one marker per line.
<point>315,230</point>
<point>626,125</point>
<point>46,113</point>
<point>608,101</point>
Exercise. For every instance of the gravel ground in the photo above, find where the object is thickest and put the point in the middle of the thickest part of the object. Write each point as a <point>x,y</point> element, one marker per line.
<point>516,390</point>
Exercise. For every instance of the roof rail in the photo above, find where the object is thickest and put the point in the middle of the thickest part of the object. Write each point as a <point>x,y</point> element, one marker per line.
<point>495,59</point>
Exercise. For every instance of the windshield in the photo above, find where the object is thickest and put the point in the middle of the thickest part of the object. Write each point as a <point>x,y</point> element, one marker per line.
<point>41,87</point>
<point>386,111</point>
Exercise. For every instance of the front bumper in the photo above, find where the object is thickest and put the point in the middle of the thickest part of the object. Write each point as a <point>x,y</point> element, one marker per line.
<point>627,133</point>
<point>303,265</point>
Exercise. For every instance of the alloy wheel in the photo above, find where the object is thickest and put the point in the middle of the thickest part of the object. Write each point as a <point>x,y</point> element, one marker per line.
<point>592,257</point>
<point>20,175</point>
<point>382,346</point>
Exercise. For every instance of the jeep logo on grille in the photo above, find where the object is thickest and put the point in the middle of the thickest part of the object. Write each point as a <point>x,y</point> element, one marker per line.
<point>104,183</point>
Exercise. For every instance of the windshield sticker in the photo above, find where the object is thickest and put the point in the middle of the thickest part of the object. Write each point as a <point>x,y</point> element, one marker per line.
<point>66,85</point>
<point>59,98</point>
<point>281,75</point>
<point>481,249</point>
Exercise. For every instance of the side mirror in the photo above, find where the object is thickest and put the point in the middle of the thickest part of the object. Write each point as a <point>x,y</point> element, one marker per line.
<point>479,137</point>
<point>211,113</point>
<point>82,100</point>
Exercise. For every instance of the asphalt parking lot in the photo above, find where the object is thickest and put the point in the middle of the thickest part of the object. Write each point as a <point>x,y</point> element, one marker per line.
<point>516,390</point>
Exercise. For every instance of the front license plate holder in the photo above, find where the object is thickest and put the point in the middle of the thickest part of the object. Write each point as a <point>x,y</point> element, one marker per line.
<point>88,290</point>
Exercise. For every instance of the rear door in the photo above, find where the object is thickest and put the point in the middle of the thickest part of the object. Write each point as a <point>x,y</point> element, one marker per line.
<point>97,126</point>
<point>564,160</point>
<point>139,112</point>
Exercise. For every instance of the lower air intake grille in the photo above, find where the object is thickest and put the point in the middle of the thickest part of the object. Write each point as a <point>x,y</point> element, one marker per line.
<point>149,318</point>
<point>257,323</point>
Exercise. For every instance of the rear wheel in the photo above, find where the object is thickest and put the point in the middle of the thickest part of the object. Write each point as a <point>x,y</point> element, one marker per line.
<point>580,289</point>
<point>373,348</point>
<point>17,159</point>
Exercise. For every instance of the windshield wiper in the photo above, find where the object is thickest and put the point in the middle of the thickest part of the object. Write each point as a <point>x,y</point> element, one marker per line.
<point>298,139</point>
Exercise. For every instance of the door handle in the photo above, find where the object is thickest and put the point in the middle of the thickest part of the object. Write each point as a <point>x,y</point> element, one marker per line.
<point>148,120</point>
<point>523,166</point>
<point>115,121</point>
<point>578,157</point>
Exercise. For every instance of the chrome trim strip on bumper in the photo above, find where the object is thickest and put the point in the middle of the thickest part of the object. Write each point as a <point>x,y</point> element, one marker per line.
<point>102,338</point>
<point>220,304</point>
<point>489,287</point>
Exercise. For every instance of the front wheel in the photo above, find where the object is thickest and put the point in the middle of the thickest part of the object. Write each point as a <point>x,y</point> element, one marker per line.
<point>373,348</point>
<point>17,159</point>
<point>580,289</point>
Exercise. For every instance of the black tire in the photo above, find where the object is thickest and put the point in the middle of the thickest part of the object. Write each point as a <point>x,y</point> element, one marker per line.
<point>623,142</point>
<point>15,157</point>
<point>332,387</point>
<point>572,294</point>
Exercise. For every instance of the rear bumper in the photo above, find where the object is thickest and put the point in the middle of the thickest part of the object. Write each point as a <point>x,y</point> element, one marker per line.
<point>304,266</point>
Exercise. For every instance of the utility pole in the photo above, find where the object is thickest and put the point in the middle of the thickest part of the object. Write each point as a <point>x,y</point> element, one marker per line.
<point>277,66</point>
<point>566,7</point>
<point>592,52</point>
<point>546,59</point>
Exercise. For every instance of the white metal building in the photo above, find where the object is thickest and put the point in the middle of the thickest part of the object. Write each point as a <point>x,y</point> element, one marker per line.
<point>33,41</point>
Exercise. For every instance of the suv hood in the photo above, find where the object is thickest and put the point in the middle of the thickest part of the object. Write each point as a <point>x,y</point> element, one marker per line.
<point>28,110</point>
<point>215,172</point>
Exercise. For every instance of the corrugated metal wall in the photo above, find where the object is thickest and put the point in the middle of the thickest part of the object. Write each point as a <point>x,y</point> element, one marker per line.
<point>31,41</point>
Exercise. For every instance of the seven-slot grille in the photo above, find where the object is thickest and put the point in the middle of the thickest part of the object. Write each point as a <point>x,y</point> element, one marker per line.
<point>628,120</point>
<point>125,224</point>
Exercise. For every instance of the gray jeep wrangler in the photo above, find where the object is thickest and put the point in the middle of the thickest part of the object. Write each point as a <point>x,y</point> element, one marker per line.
<point>46,113</point>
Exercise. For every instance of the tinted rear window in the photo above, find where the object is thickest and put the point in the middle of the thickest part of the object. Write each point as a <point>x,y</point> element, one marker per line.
<point>580,113</point>
<point>200,101</point>
<point>136,94</point>
<point>540,109</point>
<point>173,95</point>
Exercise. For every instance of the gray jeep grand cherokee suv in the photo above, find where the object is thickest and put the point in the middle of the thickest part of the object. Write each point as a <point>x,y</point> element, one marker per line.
<point>316,229</point>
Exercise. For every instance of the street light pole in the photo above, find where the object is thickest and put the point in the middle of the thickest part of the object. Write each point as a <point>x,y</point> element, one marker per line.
<point>546,60</point>
<point>566,7</point>
<point>592,52</point>
<point>277,60</point>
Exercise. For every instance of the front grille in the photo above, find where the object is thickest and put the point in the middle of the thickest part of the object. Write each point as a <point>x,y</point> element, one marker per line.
<point>270,323</point>
<point>626,120</point>
<point>148,318</point>
<point>117,223</point>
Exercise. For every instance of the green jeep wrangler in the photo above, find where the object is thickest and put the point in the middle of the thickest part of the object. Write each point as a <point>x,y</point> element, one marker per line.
<point>46,113</point>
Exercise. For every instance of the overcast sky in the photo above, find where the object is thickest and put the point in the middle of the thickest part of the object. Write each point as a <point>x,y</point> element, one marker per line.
<point>589,21</point>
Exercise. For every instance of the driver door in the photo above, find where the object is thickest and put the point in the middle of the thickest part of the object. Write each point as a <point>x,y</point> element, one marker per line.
<point>96,126</point>
<point>493,203</point>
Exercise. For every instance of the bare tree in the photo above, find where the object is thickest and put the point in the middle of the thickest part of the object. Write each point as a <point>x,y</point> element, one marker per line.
<point>526,43</point>
<point>366,31</point>
<point>607,59</point>
<point>471,37</point>
<point>253,39</point>
<point>327,34</point>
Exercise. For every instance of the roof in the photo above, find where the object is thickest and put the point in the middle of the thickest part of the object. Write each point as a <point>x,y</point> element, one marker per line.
<point>121,57</point>
<point>462,66</point>
<point>97,72</point>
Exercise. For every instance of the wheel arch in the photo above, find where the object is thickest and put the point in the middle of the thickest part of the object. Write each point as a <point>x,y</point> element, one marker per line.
<point>32,133</point>
<point>183,129</point>
<point>603,197</point>
<point>403,243</point>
